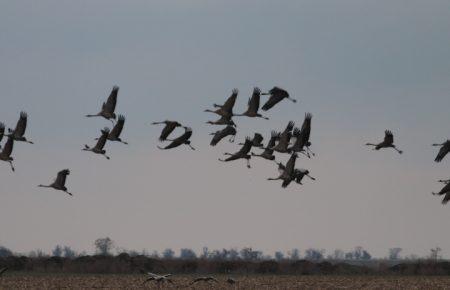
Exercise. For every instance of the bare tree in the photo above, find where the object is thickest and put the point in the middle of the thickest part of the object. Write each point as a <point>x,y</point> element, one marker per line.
<point>104,246</point>
<point>394,253</point>
<point>57,251</point>
<point>434,255</point>
<point>168,254</point>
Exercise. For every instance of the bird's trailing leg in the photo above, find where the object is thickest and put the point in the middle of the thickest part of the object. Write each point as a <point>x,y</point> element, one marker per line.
<point>438,144</point>
<point>12,166</point>
<point>312,178</point>
<point>190,146</point>
<point>263,117</point>
<point>248,163</point>
<point>106,156</point>
<point>123,142</point>
<point>444,181</point>
<point>396,149</point>
<point>309,151</point>
<point>68,193</point>
<point>292,100</point>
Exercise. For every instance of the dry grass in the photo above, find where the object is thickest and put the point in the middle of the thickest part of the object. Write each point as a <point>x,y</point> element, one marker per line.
<point>69,281</point>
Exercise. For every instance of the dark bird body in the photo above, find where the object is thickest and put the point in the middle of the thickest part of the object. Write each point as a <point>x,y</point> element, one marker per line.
<point>168,128</point>
<point>445,190</point>
<point>114,135</point>
<point>60,181</point>
<point>302,137</point>
<point>285,137</point>
<point>445,148</point>
<point>219,135</point>
<point>253,105</point>
<point>276,95</point>
<point>256,141</point>
<point>226,110</point>
<point>268,151</point>
<point>183,139</point>
<point>5,155</point>
<point>241,154</point>
<point>286,172</point>
<point>109,107</point>
<point>98,149</point>
<point>388,142</point>
<point>18,133</point>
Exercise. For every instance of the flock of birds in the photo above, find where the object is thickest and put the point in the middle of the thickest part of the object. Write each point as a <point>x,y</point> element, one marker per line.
<point>292,140</point>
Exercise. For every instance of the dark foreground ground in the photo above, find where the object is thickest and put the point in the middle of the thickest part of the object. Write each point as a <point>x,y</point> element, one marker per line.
<point>110,281</point>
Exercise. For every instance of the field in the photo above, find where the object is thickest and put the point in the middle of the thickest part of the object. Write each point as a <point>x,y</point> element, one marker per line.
<point>88,281</point>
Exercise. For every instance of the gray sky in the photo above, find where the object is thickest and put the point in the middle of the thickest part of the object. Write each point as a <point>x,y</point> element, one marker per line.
<point>359,66</point>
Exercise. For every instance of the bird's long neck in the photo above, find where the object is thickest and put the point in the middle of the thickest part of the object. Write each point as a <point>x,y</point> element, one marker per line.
<point>96,115</point>
<point>41,185</point>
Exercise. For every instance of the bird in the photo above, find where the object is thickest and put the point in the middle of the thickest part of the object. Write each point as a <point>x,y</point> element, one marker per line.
<point>302,137</point>
<point>445,148</point>
<point>2,132</point>
<point>268,151</point>
<point>256,141</point>
<point>231,281</point>
<point>60,182</point>
<point>5,155</point>
<point>18,133</point>
<point>285,137</point>
<point>100,144</point>
<point>157,278</point>
<point>388,142</point>
<point>3,270</point>
<point>300,173</point>
<point>108,108</point>
<point>276,95</point>
<point>183,139</point>
<point>253,105</point>
<point>114,135</point>
<point>204,279</point>
<point>445,190</point>
<point>243,153</point>
<point>223,121</point>
<point>226,110</point>
<point>219,135</point>
<point>286,172</point>
<point>168,128</point>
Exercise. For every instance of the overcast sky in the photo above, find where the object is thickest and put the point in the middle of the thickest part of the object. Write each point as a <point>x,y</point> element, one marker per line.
<point>359,67</point>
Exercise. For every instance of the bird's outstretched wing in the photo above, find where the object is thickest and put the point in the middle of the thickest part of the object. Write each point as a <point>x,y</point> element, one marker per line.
<point>170,126</point>
<point>306,127</point>
<point>276,95</point>
<point>445,149</point>
<point>253,102</point>
<point>102,140</point>
<point>246,147</point>
<point>7,150</point>
<point>388,137</point>
<point>110,104</point>
<point>229,103</point>
<point>21,124</point>
<point>2,130</point>
<point>61,177</point>
<point>117,130</point>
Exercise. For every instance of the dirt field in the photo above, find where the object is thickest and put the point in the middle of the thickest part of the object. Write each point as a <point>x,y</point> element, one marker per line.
<point>62,281</point>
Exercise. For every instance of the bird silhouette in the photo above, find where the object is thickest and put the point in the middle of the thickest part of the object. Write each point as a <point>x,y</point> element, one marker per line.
<point>302,136</point>
<point>219,135</point>
<point>445,148</point>
<point>276,95</point>
<point>5,155</point>
<point>268,151</point>
<point>285,138</point>
<point>18,133</point>
<point>243,153</point>
<point>183,139</point>
<point>256,141</point>
<point>157,278</point>
<point>253,105</point>
<point>168,128</point>
<point>226,110</point>
<point>445,190</point>
<point>114,135</point>
<point>388,142</point>
<point>60,182</point>
<point>98,148</point>
<point>286,172</point>
<point>109,107</point>
<point>204,279</point>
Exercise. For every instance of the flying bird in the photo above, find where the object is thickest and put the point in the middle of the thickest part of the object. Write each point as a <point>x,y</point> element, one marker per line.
<point>445,190</point>
<point>98,149</point>
<point>157,278</point>
<point>168,128</point>
<point>388,142</point>
<point>286,172</point>
<point>285,137</point>
<point>60,182</point>
<point>268,151</point>
<point>276,95</point>
<point>5,155</point>
<point>219,135</point>
<point>241,154</point>
<point>253,105</point>
<point>114,135</point>
<point>302,136</point>
<point>18,133</point>
<point>183,139</point>
<point>226,110</point>
<point>204,279</point>
<point>256,141</point>
<point>222,121</point>
<point>445,148</point>
<point>231,281</point>
<point>109,107</point>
